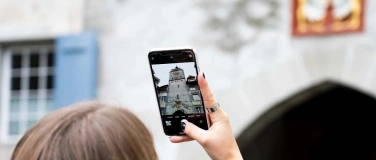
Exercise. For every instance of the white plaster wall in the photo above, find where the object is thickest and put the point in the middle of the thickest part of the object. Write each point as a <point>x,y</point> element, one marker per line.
<point>38,19</point>
<point>246,82</point>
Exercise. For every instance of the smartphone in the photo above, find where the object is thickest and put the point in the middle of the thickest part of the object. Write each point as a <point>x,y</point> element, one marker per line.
<point>174,72</point>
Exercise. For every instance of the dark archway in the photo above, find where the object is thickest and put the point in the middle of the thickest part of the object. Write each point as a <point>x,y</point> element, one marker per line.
<point>179,113</point>
<point>327,121</point>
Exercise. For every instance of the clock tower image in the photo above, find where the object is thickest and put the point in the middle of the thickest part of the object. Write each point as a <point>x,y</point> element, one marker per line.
<point>179,100</point>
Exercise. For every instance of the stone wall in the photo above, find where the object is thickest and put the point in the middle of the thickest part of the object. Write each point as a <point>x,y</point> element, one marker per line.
<point>248,70</point>
<point>244,48</point>
<point>175,88</point>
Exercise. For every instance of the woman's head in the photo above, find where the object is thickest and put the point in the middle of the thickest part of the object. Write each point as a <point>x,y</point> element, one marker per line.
<point>87,131</point>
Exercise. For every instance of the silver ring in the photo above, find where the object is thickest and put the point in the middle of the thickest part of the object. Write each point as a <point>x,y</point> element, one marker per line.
<point>214,108</point>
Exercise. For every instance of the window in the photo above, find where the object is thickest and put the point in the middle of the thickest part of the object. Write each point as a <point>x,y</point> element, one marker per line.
<point>196,97</point>
<point>163,98</point>
<point>29,73</point>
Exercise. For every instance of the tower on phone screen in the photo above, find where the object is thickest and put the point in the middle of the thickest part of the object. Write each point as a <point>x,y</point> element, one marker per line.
<point>177,88</point>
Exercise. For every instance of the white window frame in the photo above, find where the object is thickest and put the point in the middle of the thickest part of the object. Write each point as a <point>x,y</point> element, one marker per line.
<point>5,91</point>
<point>196,98</point>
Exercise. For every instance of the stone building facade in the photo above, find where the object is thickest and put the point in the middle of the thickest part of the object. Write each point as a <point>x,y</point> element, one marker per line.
<point>180,97</point>
<point>194,91</point>
<point>162,98</point>
<point>249,67</point>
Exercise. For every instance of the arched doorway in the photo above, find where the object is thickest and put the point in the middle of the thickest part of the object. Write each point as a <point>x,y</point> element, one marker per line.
<point>326,121</point>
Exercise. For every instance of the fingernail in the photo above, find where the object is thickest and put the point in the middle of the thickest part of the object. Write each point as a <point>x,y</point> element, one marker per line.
<point>203,74</point>
<point>182,125</point>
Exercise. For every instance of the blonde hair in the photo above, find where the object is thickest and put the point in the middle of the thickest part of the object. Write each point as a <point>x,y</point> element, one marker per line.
<point>87,131</point>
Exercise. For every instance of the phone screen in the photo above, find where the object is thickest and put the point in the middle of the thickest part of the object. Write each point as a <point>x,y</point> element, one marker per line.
<point>177,91</point>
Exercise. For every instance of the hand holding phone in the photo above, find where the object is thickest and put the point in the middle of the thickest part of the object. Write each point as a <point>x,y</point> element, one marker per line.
<point>182,94</point>
<point>219,141</point>
<point>174,73</point>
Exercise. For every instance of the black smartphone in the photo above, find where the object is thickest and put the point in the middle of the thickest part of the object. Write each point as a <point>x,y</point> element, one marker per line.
<point>174,72</point>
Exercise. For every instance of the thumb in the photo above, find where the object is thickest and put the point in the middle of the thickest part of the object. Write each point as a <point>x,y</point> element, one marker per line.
<point>193,131</point>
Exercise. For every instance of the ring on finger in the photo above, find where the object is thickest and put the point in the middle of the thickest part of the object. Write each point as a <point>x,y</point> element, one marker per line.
<point>214,108</point>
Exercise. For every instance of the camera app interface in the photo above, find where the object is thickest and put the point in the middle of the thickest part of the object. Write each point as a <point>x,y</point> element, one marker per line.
<point>178,93</point>
<point>178,90</point>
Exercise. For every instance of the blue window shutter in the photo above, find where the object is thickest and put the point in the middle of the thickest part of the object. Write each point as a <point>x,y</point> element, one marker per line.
<point>76,68</point>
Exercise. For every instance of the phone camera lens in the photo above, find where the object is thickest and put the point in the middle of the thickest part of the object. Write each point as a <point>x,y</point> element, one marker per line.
<point>152,58</point>
<point>171,57</point>
<point>190,55</point>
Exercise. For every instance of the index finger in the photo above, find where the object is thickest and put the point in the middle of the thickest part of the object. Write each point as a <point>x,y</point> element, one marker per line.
<point>209,100</point>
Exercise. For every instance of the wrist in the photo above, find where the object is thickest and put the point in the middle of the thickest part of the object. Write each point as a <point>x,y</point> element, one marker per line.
<point>234,155</point>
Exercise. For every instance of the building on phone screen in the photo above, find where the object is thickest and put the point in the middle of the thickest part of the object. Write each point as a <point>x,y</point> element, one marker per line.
<point>156,79</point>
<point>181,95</point>
<point>194,92</point>
<point>162,98</point>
